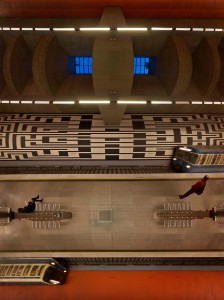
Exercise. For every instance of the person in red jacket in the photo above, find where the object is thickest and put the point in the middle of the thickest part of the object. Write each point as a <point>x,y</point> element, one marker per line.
<point>197,188</point>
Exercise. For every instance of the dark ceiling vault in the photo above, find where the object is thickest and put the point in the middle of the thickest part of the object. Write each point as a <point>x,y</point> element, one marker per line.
<point>131,8</point>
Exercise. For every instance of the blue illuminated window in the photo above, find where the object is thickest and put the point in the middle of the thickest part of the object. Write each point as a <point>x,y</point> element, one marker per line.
<point>141,65</point>
<point>80,65</point>
<point>144,65</point>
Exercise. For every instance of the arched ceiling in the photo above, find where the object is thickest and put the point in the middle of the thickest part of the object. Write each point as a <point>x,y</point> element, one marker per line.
<point>131,8</point>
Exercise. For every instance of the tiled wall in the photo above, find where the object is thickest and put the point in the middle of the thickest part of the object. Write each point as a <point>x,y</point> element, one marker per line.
<point>85,137</point>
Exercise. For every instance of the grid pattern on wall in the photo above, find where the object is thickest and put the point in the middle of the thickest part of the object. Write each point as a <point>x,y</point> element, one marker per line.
<point>85,137</point>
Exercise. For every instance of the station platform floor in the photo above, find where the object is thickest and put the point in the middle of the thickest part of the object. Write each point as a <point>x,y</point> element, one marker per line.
<point>132,201</point>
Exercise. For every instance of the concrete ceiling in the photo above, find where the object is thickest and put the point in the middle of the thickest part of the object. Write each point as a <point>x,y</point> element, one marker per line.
<point>131,8</point>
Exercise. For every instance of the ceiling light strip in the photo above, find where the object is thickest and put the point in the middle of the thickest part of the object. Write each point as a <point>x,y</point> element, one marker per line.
<point>64,29</point>
<point>198,29</point>
<point>94,28</point>
<point>132,29</point>
<point>108,29</point>
<point>183,29</point>
<point>26,102</point>
<point>42,29</point>
<point>94,101</point>
<point>41,102</point>
<point>161,28</point>
<point>27,28</point>
<point>131,102</point>
<point>196,102</point>
<point>181,102</point>
<point>14,101</point>
<point>161,102</point>
<point>63,102</point>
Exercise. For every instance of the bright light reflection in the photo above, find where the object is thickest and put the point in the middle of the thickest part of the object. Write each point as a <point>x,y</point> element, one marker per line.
<point>185,149</point>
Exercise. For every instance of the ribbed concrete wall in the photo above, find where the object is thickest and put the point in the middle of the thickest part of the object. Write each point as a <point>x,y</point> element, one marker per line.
<point>206,66</point>
<point>174,66</point>
<point>50,65</point>
<point>17,65</point>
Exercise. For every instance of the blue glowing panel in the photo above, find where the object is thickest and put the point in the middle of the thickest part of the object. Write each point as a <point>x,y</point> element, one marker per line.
<point>80,65</point>
<point>141,65</point>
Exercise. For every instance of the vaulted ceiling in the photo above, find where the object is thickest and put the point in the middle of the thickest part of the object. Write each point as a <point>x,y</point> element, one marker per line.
<point>130,8</point>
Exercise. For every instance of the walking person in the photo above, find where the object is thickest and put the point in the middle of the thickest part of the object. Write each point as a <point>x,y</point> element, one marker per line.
<point>197,188</point>
<point>31,205</point>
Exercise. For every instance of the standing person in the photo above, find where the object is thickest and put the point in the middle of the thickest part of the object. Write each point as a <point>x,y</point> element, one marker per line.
<point>31,205</point>
<point>197,188</point>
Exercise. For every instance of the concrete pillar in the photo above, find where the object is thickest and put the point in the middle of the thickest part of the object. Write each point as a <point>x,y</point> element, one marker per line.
<point>113,65</point>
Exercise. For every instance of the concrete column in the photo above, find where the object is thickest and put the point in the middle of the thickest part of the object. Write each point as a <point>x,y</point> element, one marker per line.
<point>112,65</point>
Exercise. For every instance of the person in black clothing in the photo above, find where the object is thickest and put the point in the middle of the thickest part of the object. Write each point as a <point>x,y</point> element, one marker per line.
<point>31,205</point>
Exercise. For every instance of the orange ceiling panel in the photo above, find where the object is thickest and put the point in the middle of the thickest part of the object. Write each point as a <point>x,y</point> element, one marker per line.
<point>94,8</point>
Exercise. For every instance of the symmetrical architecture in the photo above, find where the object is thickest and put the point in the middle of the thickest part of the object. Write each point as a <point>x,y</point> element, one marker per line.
<point>94,96</point>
